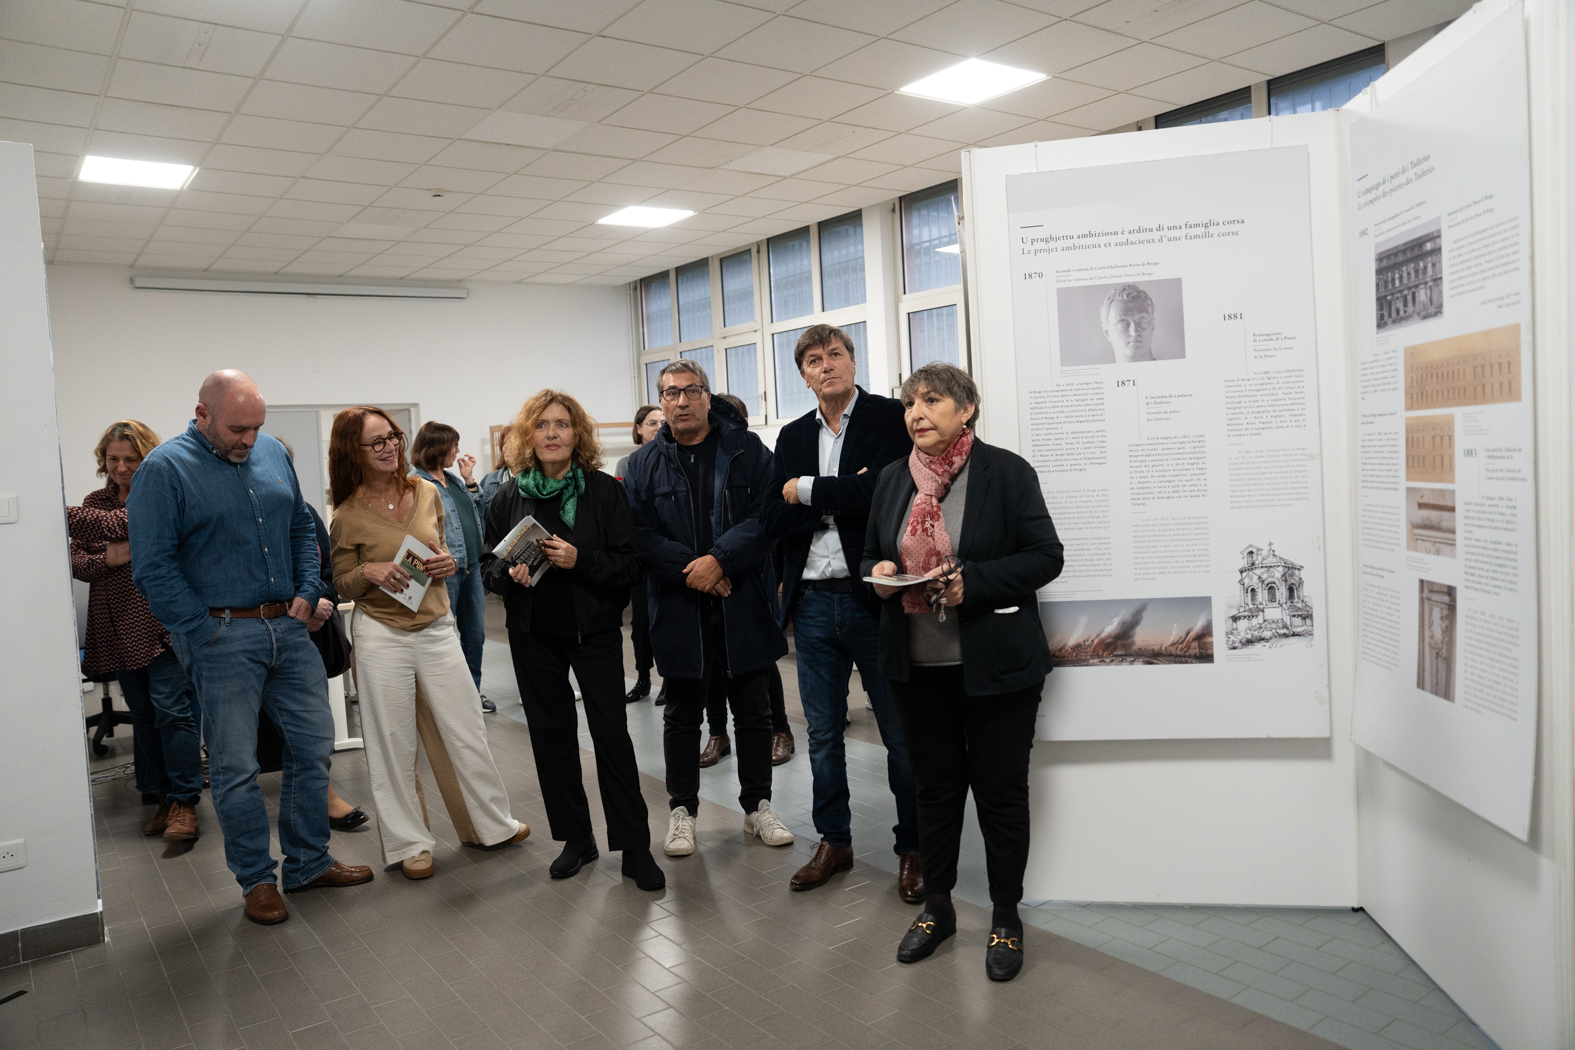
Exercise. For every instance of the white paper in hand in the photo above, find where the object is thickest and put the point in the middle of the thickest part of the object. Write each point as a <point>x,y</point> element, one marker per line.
<point>411,557</point>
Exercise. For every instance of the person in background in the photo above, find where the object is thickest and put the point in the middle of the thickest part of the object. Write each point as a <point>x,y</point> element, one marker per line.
<point>966,654</point>
<point>696,491</point>
<point>572,618</point>
<point>499,476</point>
<point>410,669</point>
<point>823,475</point>
<point>436,448</point>
<point>226,554</point>
<point>125,638</point>
<point>647,421</point>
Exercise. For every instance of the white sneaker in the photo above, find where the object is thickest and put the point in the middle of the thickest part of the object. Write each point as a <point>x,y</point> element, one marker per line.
<point>765,823</point>
<point>680,833</point>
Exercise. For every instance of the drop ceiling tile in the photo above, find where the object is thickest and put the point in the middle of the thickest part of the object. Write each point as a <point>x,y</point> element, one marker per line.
<point>497,204</point>
<point>972,27</point>
<point>103,193</point>
<point>331,259</point>
<point>421,199</point>
<point>450,180</point>
<point>697,202</point>
<point>732,183</point>
<point>431,236</point>
<point>268,16</point>
<point>145,118</point>
<point>888,64</point>
<point>485,156</point>
<point>269,186</point>
<point>1396,18</point>
<point>248,254</point>
<point>893,112</point>
<point>971,125</point>
<point>724,82</point>
<point>96,258</point>
<point>1146,19</point>
<point>355,245</point>
<point>656,176</point>
<point>551,256</point>
<point>270,98</point>
<point>543,227</point>
<point>196,45</point>
<point>372,269</point>
<point>678,116</point>
<point>55,137</point>
<point>421,118</point>
<point>700,26</point>
<point>334,168</point>
<point>1202,82</point>
<point>907,180</point>
<point>179,218</point>
<point>576,166</point>
<point>1108,113</point>
<point>797,190</point>
<point>277,240</point>
<point>165,261</point>
<point>628,143</point>
<point>905,149</point>
<point>754,126</point>
<point>523,129</point>
<point>1235,30</point>
<point>1047,98</point>
<point>190,237</point>
<point>1139,64</point>
<point>795,44</point>
<point>1325,10</point>
<point>702,153</point>
<point>462,85</point>
<point>537,187</point>
<point>772,160</point>
<point>1042,131</point>
<point>466,221</point>
<point>147,82</point>
<point>333,192</point>
<point>519,242</point>
<point>622,63</point>
<point>337,66</point>
<point>21,102</point>
<point>1060,47</point>
<point>817,97</point>
<point>1321,43</point>
<point>313,227</point>
<point>52,67</point>
<point>388,145</point>
<point>570,99</point>
<point>833,138</point>
<point>856,197</point>
<point>82,223</point>
<point>498,42</point>
<point>273,133</point>
<point>146,147</point>
<point>810,212</point>
<point>585,16</point>
<point>55,165</point>
<point>248,266</point>
<point>850,171</point>
<point>70,24</point>
<point>481,253</point>
<point>612,196</point>
<point>388,25</point>
<point>947,163</point>
<point>257,161</point>
<point>878,17</point>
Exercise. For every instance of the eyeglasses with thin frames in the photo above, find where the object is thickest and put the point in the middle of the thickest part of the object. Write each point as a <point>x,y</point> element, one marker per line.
<point>692,392</point>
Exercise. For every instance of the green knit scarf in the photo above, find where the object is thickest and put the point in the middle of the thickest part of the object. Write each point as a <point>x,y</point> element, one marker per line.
<point>536,485</point>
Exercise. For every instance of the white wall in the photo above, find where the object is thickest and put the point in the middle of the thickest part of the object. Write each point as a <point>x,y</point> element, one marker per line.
<point>43,759</point>
<point>122,352</point>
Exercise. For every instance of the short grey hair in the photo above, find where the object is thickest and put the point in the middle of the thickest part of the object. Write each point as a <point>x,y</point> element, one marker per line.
<point>688,367</point>
<point>946,379</point>
<point>1125,293</point>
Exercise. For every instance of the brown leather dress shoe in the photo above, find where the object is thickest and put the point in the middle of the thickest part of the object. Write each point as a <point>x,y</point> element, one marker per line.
<point>160,819</point>
<point>264,905</point>
<point>782,747</point>
<point>716,749</point>
<point>181,825</point>
<point>827,861</point>
<point>910,878</point>
<point>337,875</point>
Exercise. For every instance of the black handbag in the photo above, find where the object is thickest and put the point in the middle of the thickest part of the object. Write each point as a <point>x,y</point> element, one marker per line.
<point>333,644</point>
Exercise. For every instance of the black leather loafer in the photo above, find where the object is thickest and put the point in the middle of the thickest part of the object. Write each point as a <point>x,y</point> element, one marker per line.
<point>349,822</point>
<point>570,861</point>
<point>924,936</point>
<point>1003,955</point>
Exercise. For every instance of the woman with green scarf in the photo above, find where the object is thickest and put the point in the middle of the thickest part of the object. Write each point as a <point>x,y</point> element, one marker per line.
<point>572,617</point>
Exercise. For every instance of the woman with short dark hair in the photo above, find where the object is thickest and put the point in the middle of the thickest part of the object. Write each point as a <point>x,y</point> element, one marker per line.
<point>965,654</point>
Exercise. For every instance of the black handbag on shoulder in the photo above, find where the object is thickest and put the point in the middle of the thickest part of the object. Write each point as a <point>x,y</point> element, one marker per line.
<point>333,644</point>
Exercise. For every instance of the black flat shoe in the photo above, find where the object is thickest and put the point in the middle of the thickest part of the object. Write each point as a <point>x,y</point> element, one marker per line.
<point>574,857</point>
<point>640,866</point>
<point>661,695</point>
<point>924,936</point>
<point>1003,955</point>
<point>488,707</point>
<point>349,822</point>
<point>641,690</point>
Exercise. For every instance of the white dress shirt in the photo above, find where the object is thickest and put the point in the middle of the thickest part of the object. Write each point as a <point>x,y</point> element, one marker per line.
<point>826,560</point>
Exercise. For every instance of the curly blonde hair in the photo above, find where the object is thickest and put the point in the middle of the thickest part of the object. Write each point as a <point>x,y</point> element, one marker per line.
<point>140,436</point>
<point>521,450</point>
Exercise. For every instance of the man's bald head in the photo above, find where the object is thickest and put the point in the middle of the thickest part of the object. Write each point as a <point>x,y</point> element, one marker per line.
<point>230,412</point>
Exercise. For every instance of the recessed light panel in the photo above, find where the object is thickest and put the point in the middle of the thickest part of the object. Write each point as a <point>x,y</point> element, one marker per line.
<point>972,81</point>
<point>651,217</point>
<point>148,173</point>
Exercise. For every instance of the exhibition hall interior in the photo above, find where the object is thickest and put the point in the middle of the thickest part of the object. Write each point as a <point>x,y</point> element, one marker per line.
<point>454,450</point>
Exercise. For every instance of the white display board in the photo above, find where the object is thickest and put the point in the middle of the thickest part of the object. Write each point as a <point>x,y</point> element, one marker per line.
<point>1446,502</point>
<point>1168,398</point>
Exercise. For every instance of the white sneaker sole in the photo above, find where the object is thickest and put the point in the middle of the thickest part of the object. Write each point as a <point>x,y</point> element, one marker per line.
<point>679,850</point>
<point>750,828</point>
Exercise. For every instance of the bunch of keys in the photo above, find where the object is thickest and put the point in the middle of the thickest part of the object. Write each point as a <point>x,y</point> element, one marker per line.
<point>935,593</point>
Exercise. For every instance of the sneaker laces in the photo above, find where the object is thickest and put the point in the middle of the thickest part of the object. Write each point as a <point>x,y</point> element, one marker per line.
<point>680,822</point>
<point>767,820</point>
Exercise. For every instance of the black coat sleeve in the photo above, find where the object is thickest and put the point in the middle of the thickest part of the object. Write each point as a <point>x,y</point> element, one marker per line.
<point>886,490</point>
<point>852,493</point>
<point>1037,554</point>
<point>781,519</point>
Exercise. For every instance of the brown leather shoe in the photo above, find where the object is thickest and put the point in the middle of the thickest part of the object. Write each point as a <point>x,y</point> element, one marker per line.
<point>910,878</point>
<point>264,905</point>
<point>827,861</point>
<point>338,875</point>
<point>716,749</point>
<point>160,819</point>
<point>782,747</point>
<point>181,825</point>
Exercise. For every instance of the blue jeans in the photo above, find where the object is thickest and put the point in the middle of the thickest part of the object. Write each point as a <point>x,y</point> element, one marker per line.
<point>164,732</point>
<point>246,666</point>
<point>832,633</point>
<point>468,599</point>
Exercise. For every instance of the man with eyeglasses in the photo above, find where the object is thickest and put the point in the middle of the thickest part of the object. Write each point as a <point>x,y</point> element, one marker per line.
<point>696,491</point>
<point>225,550</point>
<point>1127,317</point>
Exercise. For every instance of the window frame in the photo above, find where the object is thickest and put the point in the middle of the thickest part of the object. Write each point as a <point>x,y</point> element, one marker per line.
<point>917,302</point>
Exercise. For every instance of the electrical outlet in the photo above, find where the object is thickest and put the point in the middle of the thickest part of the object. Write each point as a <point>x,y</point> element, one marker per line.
<point>13,854</point>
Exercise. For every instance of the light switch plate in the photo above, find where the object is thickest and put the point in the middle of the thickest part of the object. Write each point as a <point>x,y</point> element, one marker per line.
<point>7,509</point>
<point>13,854</point>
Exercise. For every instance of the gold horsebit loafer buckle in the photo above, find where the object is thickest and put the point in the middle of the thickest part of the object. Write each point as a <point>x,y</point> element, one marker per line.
<point>927,927</point>
<point>1010,942</point>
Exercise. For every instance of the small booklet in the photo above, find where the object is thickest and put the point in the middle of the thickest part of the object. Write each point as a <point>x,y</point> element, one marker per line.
<point>899,580</point>
<point>522,546</point>
<point>412,554</point>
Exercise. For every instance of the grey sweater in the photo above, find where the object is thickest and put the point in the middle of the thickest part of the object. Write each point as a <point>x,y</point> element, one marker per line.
<point>930,642</point>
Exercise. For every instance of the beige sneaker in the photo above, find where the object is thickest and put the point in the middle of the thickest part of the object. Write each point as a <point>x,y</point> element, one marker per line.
<point>419,866</point>
<point>765,823</point>
<point>680,833</point>
<point>181,825</point>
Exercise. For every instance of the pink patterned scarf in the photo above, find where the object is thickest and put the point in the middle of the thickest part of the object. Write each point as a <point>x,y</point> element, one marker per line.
<point>925,543</point>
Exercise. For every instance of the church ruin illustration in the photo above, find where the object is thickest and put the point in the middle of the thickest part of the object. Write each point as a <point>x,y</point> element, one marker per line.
<point>1272,602</point>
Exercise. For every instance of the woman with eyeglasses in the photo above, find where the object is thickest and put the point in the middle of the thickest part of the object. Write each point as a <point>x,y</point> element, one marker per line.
<point>410,667</point>
<point>965,653</point>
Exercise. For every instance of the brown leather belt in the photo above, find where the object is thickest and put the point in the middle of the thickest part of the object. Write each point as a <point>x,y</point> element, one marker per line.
<point>261,612</point>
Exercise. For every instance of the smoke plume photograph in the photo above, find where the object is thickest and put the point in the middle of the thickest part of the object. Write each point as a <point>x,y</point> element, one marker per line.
<point>1127,631</point>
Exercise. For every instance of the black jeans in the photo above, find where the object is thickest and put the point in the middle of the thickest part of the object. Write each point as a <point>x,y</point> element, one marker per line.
<point>640,606</point>
<point>716,704</point>
<point>686,703</point>
<point>541,667</point>
<point>957,742</point>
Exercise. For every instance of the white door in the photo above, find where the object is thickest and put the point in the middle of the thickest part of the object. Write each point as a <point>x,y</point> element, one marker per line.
<point>302,430</point>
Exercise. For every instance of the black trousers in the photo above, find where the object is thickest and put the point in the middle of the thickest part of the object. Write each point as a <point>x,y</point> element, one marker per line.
<point>716,703</point>
<point>957,742</point>
<point>686,703</point>
<point>643,658</point>
<point>541,667</point>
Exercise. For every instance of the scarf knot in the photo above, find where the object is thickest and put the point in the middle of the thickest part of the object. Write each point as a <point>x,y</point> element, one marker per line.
<point>567,490</point>
<point>925,543</point>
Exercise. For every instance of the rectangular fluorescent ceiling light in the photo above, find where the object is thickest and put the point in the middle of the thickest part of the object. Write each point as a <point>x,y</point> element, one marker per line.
<point>638,216</point>
<point>949,249</point>
<point>149,173</point>
<point>274,286</point>
<point>972,81</point>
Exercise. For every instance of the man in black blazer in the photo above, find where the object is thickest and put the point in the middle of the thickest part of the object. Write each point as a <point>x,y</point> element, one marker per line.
<point>817,504</point>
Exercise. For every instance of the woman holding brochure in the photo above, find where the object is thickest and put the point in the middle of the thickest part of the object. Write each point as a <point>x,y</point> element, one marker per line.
<point>410,669</point>
<point>569,614</point>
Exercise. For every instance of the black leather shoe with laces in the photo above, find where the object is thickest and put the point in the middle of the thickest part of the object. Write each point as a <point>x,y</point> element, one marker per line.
<point>924,936</point>
<point>1003,954</point>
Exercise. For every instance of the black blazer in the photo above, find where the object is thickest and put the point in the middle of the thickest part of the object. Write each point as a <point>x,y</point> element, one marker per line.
<point>1009,550</point>
<point>876,436</point>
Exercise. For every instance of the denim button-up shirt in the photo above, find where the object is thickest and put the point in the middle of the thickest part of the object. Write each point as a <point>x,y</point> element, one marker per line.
<point>210,534</point>
<point>453,527</point>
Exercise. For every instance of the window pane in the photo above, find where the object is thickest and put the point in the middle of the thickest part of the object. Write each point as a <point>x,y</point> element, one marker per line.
<point>842,262</point>
<point>743,376</point>
<point>703,357</point>
<point>1236,105</point>
<point>929,240</point>
<point>932,336</point>
<point>653,369</point>
<point>738,289</point>
<point>657,295</point>
<point>856,333</point>
<point>1328,86</point>
<point>787,257</point>
<point>793,397</point>
<point>694,301</point>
